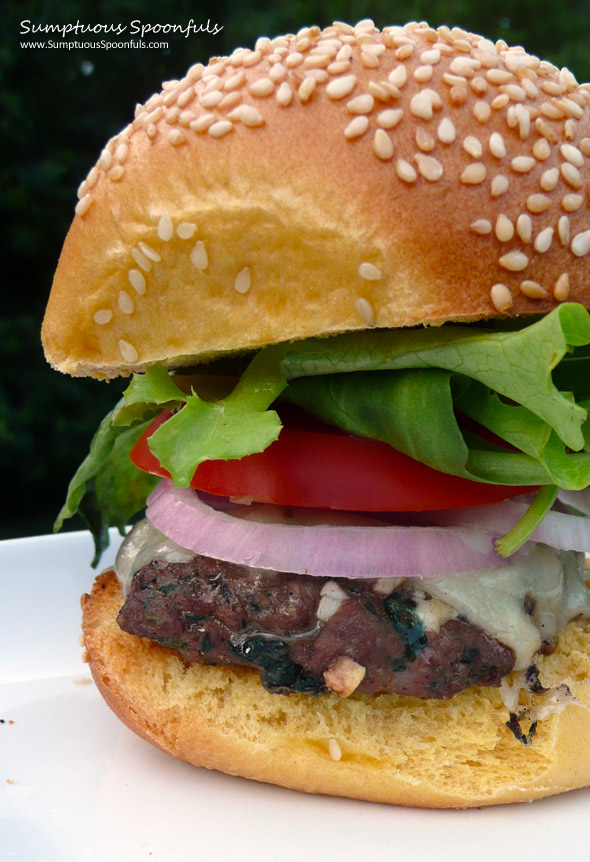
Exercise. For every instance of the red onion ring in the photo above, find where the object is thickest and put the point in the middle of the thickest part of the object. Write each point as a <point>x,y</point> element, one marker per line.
<point>323,550</point>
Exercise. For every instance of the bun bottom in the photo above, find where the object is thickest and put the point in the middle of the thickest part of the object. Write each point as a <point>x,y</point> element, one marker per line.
<point>435,754</point>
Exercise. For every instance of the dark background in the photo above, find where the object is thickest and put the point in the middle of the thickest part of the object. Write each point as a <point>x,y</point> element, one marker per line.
<point>57,109</point>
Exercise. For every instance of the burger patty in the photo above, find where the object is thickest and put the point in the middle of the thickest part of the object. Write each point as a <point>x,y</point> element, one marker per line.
<point>215,612</point>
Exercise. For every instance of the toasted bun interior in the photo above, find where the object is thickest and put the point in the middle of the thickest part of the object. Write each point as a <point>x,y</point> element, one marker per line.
<point>321,182</point>
<point>438,754</point>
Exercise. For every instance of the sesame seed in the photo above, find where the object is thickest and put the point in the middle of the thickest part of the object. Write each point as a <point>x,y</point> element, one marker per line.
<point>284,95</point>
<point>474,174</point>
<point>501,297</point>
<point>497,145</point>
<point>116,173</point>
<point>172,115</point>
<point>151,131</point>
<point>465,66</point>
<point>293,60</point>
<point>369,272</point>
<point>570,108</point>
<point>356,127</point>
<point>126,304</point>
<point>341,87</point>
<point>481,226</point>
<point>365,310</point>
<point>545,129</point>
<point>570,203</point>
<point>306,89</point>
<point>220,128</point>
<point>543,240</point>
<point>165,229</point>
<point>572,154</point>
<point>458,95</point>
<point>141,260</point>
<point>561,291</point>
<point>199,257</point>
<point>479,86</point>
<point>552,88</point>
<point>176,137</point>
<point>253,59</point>
<point>454,80</point>
<point>542,150</point>
<point>481,111</point>
<point>524,122</point>
<point>210,100</point>
<point>339,68</point>
<point>121,153</point>
<point>137,281</point>
<point>499,102</point>
<point>570,129</point>
<point>186,97</point>
<point>472,146</point>
<point>533,289</point>
<point>446,131</point>
<point>499,185</point>
<point>185,230</point>
<point>551,111</point>
<point>404,52</point>
<point>538,203</point>
<point>229,101</point>
<point>92,177</point>
<point>514,261</point>
<point>389,118</point>
<point>571,175</point>
<point>102,316</point>
<point>549,179</point>
<point>243,281</point>
<point>580,244</point>
<point>202,123</point>
<point>361,104</point>
<point>380,91</point>
<point>83,205</point>
<point>186,118</point>
<point>149,252</point>
<point>383,145</point>
<point>504,228</point>
<point>261,88</point>
<point>278,73</point>
<point>430,57</point>
<point>405,171</point>
<point>513,91</point>
<point>530,89</point>
<point>370,61</point>
<point>421,106</point>
<point>430,168</point>
<point>522,164</point>
<point>234,82</point>
<point>248,115</point>
<point>585,146</point>
<point>128,351</point>
<point>423,74</point>
<point>563,230</point>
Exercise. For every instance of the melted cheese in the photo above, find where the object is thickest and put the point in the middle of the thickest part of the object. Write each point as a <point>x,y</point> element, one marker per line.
<point>495,599</point>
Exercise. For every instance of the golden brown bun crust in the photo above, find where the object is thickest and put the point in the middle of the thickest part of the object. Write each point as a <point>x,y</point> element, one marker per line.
<point>297,223</point>
<point>439,754</point>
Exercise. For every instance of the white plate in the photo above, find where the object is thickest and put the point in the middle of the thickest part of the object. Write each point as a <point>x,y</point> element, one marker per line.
<point>77,785</point>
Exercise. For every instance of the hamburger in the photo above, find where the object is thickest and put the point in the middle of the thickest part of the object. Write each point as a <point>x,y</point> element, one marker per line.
<point>347,270</point>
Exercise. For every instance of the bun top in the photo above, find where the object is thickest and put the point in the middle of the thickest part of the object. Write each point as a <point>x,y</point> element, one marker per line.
<point>322,182</point>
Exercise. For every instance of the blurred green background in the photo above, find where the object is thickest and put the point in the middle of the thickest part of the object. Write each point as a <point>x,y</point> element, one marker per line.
<point>57,109</point>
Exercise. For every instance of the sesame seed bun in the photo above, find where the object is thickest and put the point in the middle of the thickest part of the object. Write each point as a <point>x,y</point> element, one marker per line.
<point>456,753</point>
<point>324,182</point>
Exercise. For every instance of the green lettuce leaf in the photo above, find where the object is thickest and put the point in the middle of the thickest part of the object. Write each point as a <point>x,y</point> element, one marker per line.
<point>404,386</point>
<point>107,489</point>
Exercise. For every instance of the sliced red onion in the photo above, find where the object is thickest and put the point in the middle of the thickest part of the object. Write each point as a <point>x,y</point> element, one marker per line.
<point>325,550</point>
<point>579,500</point>
<point>557,529</point>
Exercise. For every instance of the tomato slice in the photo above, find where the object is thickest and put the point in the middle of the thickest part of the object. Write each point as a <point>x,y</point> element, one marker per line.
<point>317,466</point>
